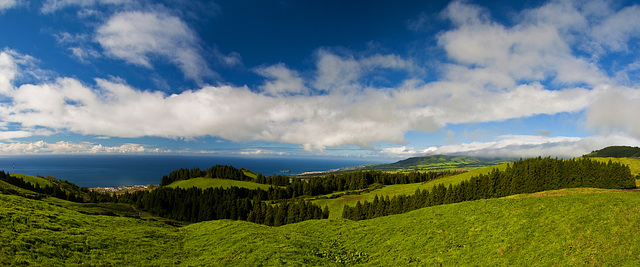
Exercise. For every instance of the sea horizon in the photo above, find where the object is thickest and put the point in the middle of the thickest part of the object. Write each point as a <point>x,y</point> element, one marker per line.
<point>127,169</point>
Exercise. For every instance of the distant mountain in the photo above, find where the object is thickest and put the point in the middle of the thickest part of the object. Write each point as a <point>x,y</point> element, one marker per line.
<point>437,162</point>
<point>616,152</point>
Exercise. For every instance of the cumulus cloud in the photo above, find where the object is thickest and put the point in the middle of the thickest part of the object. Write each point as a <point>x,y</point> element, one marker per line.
<point>140,37</point>
<point>521,53</point>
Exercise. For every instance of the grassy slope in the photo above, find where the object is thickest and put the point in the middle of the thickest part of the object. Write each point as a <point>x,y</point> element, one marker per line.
<point>210,182</point>
<point>566,227</point>
<point>34,180</point>
<point>576,228</point>
<point>336,205</point>
<point>37,233</point>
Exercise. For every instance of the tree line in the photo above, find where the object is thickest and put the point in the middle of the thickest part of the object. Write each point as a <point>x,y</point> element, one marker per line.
<point>285,187</point>
<point>234,203</point>
<point>523,176</point>
<point>195,205</point>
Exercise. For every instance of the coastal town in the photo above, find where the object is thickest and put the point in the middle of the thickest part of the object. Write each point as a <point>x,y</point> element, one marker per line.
<point>123,188</point>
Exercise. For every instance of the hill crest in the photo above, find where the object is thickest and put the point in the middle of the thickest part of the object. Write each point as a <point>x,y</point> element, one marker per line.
<point>616,152</point>
<point>437,162</point>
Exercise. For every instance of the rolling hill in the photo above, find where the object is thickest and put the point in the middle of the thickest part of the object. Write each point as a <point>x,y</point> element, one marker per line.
<point>616,152</point>
<point>436,162</point>
<point>204,183</point>
<point>563,227</point>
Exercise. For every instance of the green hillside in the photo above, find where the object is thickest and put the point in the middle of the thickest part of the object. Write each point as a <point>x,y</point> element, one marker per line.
<point>577,228</point>
<point>616,152</point>
<point>336,204</point>
<point>563,227</point>
<point>204,183</point>
<point>9,188</point>
<point>435,162</point>
<point>42,182</point>
<point>35,232</point>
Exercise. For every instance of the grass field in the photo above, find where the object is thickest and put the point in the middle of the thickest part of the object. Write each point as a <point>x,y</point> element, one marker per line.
<point>214,182</point>
<point>38,233</point>
<point>579,227</point>
<point>336,205</point>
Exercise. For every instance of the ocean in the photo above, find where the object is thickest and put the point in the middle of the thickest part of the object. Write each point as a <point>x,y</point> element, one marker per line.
<point>118,170</point>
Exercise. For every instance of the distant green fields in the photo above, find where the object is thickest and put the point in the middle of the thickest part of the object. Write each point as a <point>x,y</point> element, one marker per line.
<point>336,204</point>
<point>435,163</point>
<point>214,182</point>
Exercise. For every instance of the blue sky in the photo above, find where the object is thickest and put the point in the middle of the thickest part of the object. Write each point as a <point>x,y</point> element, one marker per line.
<point>389,79</point>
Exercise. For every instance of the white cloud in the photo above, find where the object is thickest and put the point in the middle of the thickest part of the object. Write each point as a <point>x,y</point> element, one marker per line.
<point>616,111</point>
<point>78,45</point>
<point>256,152</point>
<point>62,147</point>
<point>524,52</point>
<point>336,73</point>
<point>282,80</point>
<point>616,31</point>
<point>140,37</point>
<point>516,146</point>
<point>51,6</point>
<point>6,4</point>
<point>8,71</point>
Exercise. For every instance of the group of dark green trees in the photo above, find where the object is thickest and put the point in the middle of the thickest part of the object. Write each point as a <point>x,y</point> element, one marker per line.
<point>523,176</point>
<point>195,205</point>
<point>234,203</point>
